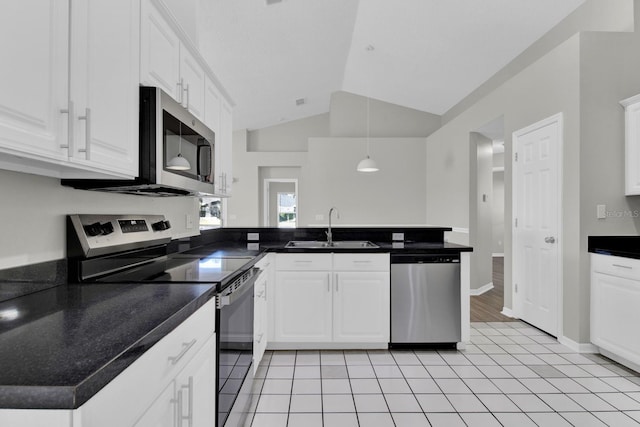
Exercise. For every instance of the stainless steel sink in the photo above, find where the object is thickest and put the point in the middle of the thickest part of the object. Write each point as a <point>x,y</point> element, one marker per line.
<point>338,244</point>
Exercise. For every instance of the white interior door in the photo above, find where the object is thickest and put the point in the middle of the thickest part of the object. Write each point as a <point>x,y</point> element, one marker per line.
<point>537,286</point>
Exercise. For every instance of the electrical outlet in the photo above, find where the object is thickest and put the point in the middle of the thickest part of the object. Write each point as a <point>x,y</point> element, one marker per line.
<point>188,221</point>
<point>601,211</point>
<point>253,246</point>
<point>253,237</point>
<point>397,236</point>
<point>319,217</point>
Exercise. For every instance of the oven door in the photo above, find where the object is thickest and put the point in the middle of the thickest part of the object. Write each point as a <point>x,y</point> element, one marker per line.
<point>235,352</point>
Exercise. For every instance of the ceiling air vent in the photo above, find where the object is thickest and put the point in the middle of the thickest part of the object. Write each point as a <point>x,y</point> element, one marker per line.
<point>270,2</point>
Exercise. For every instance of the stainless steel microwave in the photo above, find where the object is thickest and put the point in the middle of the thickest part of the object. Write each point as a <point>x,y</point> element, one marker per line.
<point>176,155</point>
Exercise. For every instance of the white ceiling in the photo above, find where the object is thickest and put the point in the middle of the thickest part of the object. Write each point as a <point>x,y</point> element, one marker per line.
<point>428,54</point>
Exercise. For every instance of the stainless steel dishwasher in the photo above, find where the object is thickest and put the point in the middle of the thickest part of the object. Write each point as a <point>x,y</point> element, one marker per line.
<point>425,300</point>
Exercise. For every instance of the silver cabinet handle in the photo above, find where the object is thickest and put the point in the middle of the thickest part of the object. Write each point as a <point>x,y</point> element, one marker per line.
<point>550,239</point>
<point>623,266</point>
<point>87,128</point>
<point>337,283</point>
<point>180,86</point>
<point>185,349</point>
<point>189,417</point>
<point>328,282</point>
<point>70,117</point>
<point>302,261</point>
<point>178,402</point>
<point>362,261</point>
<point>187,96</point>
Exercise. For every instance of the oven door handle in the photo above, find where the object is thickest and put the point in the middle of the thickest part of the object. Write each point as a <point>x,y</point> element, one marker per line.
<point>235,294</point>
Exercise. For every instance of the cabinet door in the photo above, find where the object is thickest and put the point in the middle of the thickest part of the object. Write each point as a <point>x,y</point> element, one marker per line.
<point>302,306</point>
<point>192,77</point>
<point>212,103</point>
<point>259,320</point>
<point>361,307</point>
<point>104,84</point>
<point>160,52</point>
<point>615,315</point>
<point>33,78</point>
<point>162,413</point>
<point>196,389</point>
<point>226,147</point>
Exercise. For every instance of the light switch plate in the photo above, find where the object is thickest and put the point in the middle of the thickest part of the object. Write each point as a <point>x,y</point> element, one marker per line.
<point>253,246</point>
<point>397,245</point>
<point>253,237</point>
<point>397,236</point>
<point>601,211</point>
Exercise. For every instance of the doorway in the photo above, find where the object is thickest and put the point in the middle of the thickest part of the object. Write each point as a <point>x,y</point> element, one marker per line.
<point>281,203</point>
<point>537,209</point>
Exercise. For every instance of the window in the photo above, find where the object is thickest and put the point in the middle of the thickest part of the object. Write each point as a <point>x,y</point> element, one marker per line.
<point>210,213</point>
<point>287,210</point>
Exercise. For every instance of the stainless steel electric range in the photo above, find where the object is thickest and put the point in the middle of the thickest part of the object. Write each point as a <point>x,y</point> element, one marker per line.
<point>133,249</point>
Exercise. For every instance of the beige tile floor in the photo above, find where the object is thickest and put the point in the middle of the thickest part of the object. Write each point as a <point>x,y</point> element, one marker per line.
<point>511,375</point>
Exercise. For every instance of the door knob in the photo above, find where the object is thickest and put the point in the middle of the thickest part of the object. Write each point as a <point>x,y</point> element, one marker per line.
<point>550,239</point>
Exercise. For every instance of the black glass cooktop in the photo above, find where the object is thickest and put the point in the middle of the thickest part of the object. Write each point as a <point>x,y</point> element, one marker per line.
<point>182,269</point>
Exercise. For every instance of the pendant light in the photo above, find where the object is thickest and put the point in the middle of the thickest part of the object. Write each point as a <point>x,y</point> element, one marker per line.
<point>367,164</point>
<point>179,163</point>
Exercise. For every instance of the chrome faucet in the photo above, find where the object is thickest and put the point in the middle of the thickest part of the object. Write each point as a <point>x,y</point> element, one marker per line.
<point>328,232</point>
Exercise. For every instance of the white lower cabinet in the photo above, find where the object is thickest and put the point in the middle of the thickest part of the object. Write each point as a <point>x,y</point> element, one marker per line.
<point>344,301</point>
<point>361,307</point>
<point>173,384</point>
<point>260,315</point>
<point>615,298</point>
<point>303,303</point>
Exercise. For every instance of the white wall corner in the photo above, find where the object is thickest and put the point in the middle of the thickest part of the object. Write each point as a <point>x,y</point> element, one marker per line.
<point>481,290</point>
<point>578,347</point>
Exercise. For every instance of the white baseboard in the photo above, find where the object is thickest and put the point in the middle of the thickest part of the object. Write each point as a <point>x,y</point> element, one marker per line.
<point>481,290</point>
<point>586,347</point>
<point>508,312</point>
<point>498,255</point>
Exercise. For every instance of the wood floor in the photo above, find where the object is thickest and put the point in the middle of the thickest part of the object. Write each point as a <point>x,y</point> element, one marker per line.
<point>487,307</point>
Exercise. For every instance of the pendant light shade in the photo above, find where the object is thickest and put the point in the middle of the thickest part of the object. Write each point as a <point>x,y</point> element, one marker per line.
<point>178,163</point>
<point>367,165</point>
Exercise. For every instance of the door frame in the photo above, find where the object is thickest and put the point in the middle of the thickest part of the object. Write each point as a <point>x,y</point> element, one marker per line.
<point>266,194</point>
<point>516,268</point>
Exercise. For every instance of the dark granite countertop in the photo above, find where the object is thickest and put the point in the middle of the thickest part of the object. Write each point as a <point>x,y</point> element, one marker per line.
<point>64,344</point>
<point>59,346</point>
<point>622,246</point>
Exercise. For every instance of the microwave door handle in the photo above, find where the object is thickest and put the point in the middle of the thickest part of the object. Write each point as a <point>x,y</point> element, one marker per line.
<point>202,148</point>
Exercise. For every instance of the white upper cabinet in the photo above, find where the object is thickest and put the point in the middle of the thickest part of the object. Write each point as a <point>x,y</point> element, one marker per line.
<point>160,53</point>
<point>68,96</point>
<point>225,149</point>
<point>192,82</point>
<point>104,84</point>
<point>632,145</point>
<point>34,36</point>
<point>212,104</point>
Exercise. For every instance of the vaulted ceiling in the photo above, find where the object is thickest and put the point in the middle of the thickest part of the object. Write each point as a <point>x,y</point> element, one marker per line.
<point>423,54</point>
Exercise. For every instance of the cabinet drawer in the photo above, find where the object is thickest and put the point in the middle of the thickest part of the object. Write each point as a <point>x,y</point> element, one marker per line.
<point>628,268</point>
<point>361,262</point>
<point>125,398</point>
<point>303,262</point>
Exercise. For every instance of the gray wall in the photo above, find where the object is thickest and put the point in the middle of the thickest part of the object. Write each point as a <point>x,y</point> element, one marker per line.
<point>292,136</point>
<point>548,86</point>
<point>348,117</point>
<point>325,163</point>
<point>480,212</point>
<point>583,77</point>
<point>34,208</point>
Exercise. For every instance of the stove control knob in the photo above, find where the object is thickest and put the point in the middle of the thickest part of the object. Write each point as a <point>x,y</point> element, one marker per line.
<point>161,225</point>
<point>106,228</point>
<point>94,229</point>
